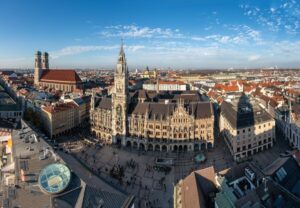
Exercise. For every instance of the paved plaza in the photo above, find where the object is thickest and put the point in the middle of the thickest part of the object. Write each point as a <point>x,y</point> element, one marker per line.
<point>152,186</point>
<point>144,182</point>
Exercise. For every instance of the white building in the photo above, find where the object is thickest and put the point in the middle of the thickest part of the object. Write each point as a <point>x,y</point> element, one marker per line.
<point>289,124</point>
<point>166,86</point>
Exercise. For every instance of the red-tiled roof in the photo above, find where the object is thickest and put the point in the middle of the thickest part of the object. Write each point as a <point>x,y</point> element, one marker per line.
<point>171,82</point>
<point>59,107</point>
<point>231,88</point>
<point>61,76</point>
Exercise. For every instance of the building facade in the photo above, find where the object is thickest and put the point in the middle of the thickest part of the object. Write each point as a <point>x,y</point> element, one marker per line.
<point>60,118</point>
<point>161,85</point>
<point>246,127</point>
<point>149,120</point>
<point>288,123</point>
<point>10,104</point>
<point>57,79</point>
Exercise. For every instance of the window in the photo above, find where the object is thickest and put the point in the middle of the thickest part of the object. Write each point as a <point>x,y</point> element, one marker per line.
<point>249,129</point>
<point>243,130</point>
<point>281,174</point>
<point>238,132</point>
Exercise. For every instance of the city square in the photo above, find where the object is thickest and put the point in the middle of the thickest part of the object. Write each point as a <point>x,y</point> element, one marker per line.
<point>149,104</point>
<point>142,178</point>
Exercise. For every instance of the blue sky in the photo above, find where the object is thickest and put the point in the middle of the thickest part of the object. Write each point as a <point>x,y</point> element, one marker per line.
<point>203,34</point>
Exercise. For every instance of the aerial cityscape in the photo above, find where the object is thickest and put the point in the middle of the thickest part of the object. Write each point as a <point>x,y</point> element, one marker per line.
<point>150,104</point>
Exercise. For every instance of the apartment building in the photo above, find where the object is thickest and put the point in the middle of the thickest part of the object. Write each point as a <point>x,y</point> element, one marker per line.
<point>246,127</point>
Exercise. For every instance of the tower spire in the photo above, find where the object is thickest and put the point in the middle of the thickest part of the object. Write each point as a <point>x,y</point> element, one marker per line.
<point>122,48</point>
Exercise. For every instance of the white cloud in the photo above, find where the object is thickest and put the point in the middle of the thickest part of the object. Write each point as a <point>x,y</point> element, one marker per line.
<point>133,31</point>
<point>253,57</point>
<point>78,49</point>
<point>74,50</point>
<point>276,19</point>
<point>239,34</point>
<point>272,10</point>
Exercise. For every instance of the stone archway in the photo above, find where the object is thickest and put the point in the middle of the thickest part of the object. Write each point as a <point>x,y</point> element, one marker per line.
<point>180,148</point>
<point>209,145</point>
<point>175,148</point>
<point>150,147</point>
<point>135,145</point>
<point>164,148</point>
<point>203,146</point>
<point>185,148</point>
<point>128,144</point>
<point>157,148</point>
<point>142,146</point>
<point>118,139</point>
<point>196,147</point>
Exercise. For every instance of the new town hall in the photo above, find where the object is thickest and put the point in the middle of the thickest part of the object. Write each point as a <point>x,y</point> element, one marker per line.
<point>150,120</point>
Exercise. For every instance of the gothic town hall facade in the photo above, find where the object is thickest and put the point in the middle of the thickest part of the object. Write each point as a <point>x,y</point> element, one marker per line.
<point>150,120</point>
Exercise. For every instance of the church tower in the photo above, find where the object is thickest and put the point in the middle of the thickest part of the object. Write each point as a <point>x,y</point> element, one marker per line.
<point>37,68</point>
<point>119,100</point>
<point>45,61</point>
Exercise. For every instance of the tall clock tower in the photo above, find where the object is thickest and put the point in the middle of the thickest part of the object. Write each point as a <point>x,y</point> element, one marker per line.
<point>119,100</point>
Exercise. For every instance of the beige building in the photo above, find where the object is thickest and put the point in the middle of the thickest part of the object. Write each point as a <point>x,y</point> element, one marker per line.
<point>149,74</point>
<point>246,127</point>
<point>60,118</point>
<point>149,120</point>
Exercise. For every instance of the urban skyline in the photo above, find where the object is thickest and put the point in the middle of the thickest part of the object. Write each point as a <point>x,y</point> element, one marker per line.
<point>147,104</point>
<point>175,34</point>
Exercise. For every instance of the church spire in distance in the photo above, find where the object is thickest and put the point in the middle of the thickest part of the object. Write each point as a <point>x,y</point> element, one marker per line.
<point>122,53</point>
<point>122,49</point>
<point>121,66</point>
